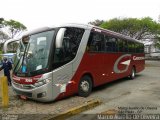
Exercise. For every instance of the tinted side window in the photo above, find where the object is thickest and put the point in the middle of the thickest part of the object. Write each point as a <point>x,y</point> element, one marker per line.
<point>131,46</point>
<point>125,43</point>
<point>96,42</point>
<point>121,45</point>
<point>137,47</point>
<point>111,44</point>
<point>114,44</point>
<point>141,48</point>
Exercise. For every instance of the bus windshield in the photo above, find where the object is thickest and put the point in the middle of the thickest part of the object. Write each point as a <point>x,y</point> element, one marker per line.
<point>33,53</point>
<point>20,52</point>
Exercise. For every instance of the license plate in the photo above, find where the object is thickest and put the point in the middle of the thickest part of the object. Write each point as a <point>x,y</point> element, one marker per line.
<point>23,97</point>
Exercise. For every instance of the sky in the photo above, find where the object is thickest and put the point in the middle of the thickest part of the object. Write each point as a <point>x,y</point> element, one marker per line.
<point>39,13</point>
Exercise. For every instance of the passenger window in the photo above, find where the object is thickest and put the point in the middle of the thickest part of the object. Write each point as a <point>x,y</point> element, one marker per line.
<point>114,44</point>
<point>111,44</point>
<point>96,42</point>
<point>141,48</point>
<point>71,41</point>
<point>137,47</point>
<point>131,47</point>
<point>121,45</point>
<point>125,46</point>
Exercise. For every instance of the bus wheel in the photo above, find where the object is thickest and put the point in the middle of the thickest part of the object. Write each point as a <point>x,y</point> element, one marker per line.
<point>133,73</point>
<point>85,86</point>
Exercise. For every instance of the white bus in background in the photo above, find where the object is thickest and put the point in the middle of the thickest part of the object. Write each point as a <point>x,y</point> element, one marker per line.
<point>7,54</point>
<point>6,44</point>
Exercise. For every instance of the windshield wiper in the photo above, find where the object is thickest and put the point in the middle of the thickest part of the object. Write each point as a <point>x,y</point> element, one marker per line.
<point>17,65</point>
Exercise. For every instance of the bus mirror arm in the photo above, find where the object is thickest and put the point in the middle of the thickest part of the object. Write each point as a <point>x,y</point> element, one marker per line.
<point>59,37</point>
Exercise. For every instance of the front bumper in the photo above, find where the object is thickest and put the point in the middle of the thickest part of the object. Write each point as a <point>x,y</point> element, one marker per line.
<point>43,93</point>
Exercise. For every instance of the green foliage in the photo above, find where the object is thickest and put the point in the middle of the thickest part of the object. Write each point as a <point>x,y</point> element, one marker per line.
<point>1,22</point>
<point>140,29</point>
<point>15,27</point>
<point>12,28</point>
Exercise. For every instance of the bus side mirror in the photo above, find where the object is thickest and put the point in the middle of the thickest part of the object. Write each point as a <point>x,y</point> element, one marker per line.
<point>59,37</point>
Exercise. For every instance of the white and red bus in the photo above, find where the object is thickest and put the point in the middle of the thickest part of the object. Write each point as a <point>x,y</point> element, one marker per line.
<point>53,63</point>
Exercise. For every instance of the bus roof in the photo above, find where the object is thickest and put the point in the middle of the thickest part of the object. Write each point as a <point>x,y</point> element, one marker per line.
<point>7,54</point>
<point>84,26</point>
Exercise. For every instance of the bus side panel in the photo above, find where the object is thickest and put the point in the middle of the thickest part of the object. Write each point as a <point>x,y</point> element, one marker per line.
<point>100,67</point>
<point>93,64</point>
<point>139,62</point>
<point>109,61</point>
<point>117,65</point>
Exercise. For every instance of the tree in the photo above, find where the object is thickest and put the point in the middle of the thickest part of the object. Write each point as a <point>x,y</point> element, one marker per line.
<point>96,22</point>
<point>3,38</point>
<point>141,29</point>
<point>3,35</point>
<point>14,27</point>
<point>1,22</point>
<point>10,29</point>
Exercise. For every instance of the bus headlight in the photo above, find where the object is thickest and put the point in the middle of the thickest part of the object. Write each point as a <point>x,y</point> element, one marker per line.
<point>42,82</point>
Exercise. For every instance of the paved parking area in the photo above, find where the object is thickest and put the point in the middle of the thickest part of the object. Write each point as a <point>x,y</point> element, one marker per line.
<point>139,96</point>
<point>143,91</point>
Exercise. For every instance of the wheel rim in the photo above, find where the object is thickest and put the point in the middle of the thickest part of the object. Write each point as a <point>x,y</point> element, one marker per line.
<point>85,86</point>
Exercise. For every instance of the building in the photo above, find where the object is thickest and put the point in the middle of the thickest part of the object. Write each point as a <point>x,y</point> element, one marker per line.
<point>151,50</point>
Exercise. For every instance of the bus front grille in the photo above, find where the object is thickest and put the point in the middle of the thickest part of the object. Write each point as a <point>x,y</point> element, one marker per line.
<point>23,86</point>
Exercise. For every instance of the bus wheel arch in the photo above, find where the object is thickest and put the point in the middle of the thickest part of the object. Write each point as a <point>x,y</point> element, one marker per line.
<point>85,85</point>
<point>134,68</point>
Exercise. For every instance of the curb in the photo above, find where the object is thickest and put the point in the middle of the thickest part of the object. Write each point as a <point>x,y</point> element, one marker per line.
<point>76,110</point>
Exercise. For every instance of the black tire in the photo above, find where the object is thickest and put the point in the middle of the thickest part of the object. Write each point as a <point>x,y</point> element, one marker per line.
<point>85,86</point>
<point>133,73</point>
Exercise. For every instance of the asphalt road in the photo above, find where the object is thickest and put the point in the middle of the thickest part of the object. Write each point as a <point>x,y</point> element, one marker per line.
<point>140,96</point>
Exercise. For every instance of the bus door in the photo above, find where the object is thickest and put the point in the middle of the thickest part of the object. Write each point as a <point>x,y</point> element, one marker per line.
<point>67,44</point>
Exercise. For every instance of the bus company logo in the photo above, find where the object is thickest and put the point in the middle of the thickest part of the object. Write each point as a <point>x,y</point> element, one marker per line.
<point>118,62</point>
<point>138,58</point>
